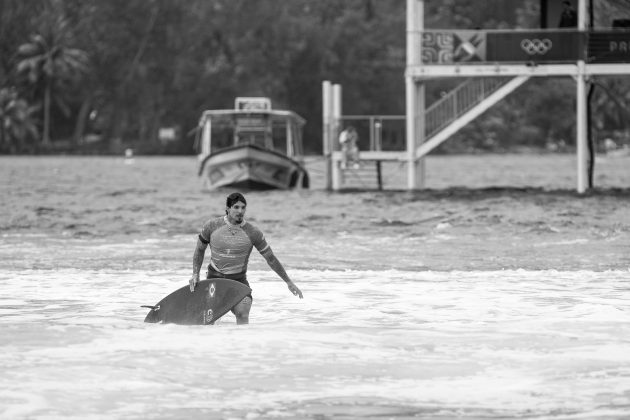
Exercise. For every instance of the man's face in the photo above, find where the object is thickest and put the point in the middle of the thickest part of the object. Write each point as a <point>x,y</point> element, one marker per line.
<point>236,212</point>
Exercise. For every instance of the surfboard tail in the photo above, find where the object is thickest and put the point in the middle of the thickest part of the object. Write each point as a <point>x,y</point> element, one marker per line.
<point>153,316</point>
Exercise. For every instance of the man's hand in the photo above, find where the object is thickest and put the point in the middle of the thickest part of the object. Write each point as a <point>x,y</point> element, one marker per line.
<point>193,282</point>
<point>294,289</point>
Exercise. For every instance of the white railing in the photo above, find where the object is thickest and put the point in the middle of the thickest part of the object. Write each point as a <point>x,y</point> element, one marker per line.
<point>438,116</point>
<point>458,101</point>
<point>375,126</point>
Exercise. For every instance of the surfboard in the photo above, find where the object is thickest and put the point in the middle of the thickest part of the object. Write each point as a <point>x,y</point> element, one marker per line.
<point>211,299</point>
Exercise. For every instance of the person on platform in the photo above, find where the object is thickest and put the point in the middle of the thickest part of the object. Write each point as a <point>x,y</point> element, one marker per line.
<point>568,18</point>
<point>231,241</point>
<point>348,140</point>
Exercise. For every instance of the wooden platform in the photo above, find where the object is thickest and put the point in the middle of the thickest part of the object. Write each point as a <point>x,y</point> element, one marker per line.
<point>368,175</point>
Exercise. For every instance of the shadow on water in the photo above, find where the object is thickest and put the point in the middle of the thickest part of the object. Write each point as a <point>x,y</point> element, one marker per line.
<point>461,193</point>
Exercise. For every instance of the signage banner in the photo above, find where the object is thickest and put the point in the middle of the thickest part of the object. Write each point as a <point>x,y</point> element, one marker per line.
<point>536,46</point>
<point>609,47</point>
<point>452,47</point>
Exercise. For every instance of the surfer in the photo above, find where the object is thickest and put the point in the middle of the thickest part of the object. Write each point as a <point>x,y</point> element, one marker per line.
<point>231,241</point>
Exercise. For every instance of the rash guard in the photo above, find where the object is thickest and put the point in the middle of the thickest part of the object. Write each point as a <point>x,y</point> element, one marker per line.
<point>231,245</point>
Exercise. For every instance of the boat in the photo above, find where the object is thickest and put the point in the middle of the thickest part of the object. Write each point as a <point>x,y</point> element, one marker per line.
<point>251,147</point>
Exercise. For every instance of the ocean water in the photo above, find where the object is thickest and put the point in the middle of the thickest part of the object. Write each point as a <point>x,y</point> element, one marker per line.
<point>361,344</point>
<point>472,304</point>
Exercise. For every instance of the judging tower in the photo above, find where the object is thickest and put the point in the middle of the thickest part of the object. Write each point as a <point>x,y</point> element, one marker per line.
<point>496,62</point>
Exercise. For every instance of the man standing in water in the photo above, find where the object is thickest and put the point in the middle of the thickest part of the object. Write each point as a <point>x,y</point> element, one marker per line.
<point>348,139</point>
<point>231,241</point>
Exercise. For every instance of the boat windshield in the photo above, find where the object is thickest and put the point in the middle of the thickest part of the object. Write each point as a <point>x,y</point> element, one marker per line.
<point>222,137</point>
<point>279,135</point>
<point>256,138</point>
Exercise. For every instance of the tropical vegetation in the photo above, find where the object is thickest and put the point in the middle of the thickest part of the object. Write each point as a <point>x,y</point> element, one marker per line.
<point>93,76</point>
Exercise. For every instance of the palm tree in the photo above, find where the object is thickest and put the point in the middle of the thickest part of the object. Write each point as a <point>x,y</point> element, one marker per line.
<point>16,120</point>
<point>50,64</point>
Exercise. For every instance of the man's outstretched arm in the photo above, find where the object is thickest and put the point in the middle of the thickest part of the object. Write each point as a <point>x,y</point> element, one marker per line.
<point>276,266</point>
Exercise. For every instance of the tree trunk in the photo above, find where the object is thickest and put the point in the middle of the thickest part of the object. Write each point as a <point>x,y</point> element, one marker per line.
<point>46,135</point>
<point>155,129</point>
<point>119,123</point>
<point>2,134</point>
<point>79,127</point>
<point>118,129</point>
<point>143,122</point>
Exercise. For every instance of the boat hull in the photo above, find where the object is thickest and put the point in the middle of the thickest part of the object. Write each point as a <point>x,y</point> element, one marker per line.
<point>252,167</point>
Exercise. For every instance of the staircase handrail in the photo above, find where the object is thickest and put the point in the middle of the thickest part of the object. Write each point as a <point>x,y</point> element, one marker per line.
<point>459,100</point>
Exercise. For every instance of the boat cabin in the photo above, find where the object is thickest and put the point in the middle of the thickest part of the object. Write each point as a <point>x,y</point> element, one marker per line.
<point>251,122</point>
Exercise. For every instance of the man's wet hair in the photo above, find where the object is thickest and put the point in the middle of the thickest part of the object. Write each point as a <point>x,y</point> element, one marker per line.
<point>234,198</point>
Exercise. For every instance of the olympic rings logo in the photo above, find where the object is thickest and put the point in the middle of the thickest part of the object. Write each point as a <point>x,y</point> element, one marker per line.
<point>536,46</point>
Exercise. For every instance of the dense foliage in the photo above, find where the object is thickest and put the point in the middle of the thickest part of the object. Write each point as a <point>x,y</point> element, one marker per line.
<point>98,76</point>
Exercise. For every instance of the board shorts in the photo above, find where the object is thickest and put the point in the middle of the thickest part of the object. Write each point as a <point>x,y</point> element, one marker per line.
<point>239,277</point>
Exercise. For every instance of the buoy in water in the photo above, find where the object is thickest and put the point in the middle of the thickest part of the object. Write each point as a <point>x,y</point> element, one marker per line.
<point>129,156</point>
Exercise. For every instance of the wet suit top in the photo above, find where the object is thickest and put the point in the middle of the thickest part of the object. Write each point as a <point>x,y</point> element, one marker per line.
<point>231,245</point>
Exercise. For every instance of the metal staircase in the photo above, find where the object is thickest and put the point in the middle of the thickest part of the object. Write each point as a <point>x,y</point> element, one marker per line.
<point>459,100</point>
<point>366,176</point>
<point>462,105</point>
